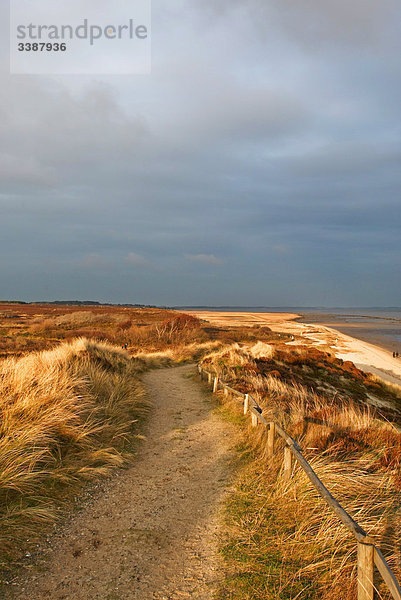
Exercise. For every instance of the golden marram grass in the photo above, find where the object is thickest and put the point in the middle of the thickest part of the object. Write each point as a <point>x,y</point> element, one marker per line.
<point>67,415</point>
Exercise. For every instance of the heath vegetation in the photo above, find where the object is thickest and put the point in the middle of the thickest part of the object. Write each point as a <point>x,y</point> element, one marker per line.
<point>27,327</point>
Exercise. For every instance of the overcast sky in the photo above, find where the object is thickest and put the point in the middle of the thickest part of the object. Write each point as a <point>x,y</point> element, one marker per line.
<point>259,163</point>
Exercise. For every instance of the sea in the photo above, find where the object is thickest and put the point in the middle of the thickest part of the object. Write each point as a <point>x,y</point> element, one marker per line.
<point>377,325</point>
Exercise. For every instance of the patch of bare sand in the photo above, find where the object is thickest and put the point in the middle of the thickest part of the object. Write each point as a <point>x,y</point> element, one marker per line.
<point>238,319</point>
<point>152,534</point>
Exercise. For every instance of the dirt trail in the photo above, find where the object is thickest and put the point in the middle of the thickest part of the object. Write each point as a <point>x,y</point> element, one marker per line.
<point>152,533</point>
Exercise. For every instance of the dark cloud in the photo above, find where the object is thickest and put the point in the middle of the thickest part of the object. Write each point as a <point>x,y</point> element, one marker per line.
<point>258,164</point>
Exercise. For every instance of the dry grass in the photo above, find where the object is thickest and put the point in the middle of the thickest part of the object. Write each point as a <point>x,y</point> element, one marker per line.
<point>283,541</point>
<point>67,415</point>
<point>176,354</point>
<point>391,387</point>
<point>75,319</point>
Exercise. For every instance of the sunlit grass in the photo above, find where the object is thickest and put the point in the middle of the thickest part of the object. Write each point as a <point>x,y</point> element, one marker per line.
<point>67,416</point>
<point>282,540</point>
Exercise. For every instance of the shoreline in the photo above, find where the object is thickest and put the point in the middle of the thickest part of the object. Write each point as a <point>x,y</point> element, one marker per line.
<point>362,331</point>
<point>367,356</point>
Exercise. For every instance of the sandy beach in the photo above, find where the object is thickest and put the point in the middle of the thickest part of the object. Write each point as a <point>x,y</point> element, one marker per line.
<point>242,319</point>
<point>366,356</point>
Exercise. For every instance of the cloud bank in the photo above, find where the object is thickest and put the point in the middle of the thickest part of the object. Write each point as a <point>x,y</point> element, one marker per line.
<point>259,164</point>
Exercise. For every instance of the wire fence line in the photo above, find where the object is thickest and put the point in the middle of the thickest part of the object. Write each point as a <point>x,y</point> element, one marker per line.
<point>368,554</point>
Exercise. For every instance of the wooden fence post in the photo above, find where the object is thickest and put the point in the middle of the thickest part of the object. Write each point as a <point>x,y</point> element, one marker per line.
<point>270,440</point>
<point>387,574</point>
<point>215,384</point>
<point>246,403</point>
<point>365,571</point>
<point>287,463</point>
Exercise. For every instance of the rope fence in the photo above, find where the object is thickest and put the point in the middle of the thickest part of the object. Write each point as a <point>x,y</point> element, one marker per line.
<point>368,553</point>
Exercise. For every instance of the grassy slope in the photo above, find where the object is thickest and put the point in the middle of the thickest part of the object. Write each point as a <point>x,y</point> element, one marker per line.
<point>67,416</point>
<point>282,541</point>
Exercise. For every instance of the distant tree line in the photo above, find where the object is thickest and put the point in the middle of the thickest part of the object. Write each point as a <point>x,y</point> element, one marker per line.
<point>83,303</point>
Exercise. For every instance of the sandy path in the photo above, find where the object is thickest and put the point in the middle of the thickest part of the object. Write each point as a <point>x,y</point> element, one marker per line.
<point>153,532</point>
